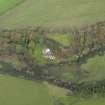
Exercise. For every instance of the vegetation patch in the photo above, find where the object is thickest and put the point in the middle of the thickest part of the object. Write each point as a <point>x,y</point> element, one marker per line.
<point>95,68</point>
<point>64,39</point>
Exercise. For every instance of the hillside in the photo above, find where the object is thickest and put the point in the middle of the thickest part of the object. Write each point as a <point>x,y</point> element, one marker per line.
<point>52,52</point>
<point>53,13</point>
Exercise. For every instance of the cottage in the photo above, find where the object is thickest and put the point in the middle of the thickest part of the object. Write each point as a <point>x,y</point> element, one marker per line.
<point>47,53</point>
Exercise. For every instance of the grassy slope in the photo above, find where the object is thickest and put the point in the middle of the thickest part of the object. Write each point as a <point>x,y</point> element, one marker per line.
<point>56,13</point>
<point>96,68</point>
<point>81,101</point>
<point>6,5</point>
<point>14,91</point>
<point>61,97</point>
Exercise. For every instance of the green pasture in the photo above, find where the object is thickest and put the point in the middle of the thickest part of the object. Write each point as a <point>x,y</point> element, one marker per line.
<point>51,13</point>
<point>64,39</point>
<point>14,91</point>
<point>95,67</point>
<point>6,5</point>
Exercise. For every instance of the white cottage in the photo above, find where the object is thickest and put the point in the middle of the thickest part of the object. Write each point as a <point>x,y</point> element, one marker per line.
<point>47,53</point>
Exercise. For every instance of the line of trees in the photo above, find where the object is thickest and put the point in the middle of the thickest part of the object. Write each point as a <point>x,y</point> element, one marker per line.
<point>89,39</point>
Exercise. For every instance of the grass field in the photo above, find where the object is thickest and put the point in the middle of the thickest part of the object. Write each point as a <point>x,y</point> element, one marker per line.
<point>95,67</point>
<point>60,95</point>
<point>15,91</point>
<point>64,39</point>
<point>81,101</point>
<point>54,13</point>
<point>6,5</point>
